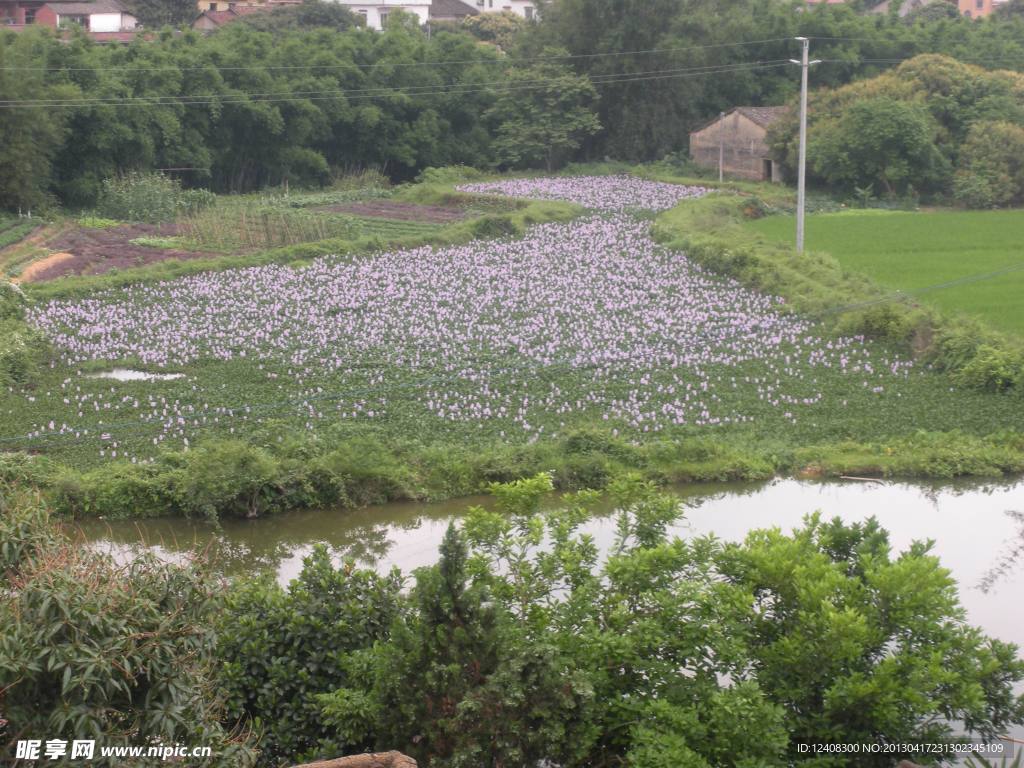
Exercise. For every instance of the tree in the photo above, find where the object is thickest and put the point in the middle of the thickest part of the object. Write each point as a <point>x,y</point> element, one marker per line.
<point>457,683</point>
<point>309,14</point>
<point>281,648</point>
<point>861,646</point>
<point>502,28</point>
<point>30,137</point>
<point>991,167</point>
<point>93,650</point>
<point>164,13</point>
<point>542,114</point>
<point>879,141</point>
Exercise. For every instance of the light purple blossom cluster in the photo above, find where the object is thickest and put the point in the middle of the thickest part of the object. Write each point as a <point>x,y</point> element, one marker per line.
<point>588,317</point>
<point>603,193</point>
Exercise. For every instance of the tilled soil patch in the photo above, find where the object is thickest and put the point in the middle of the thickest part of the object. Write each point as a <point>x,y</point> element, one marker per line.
<point>95,251</point>
<point>394,209</point>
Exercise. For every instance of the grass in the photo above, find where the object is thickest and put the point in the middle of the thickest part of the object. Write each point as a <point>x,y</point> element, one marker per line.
<point>913,250</point>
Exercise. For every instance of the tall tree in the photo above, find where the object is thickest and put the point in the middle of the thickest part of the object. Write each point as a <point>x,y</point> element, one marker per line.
<point>542,115</point>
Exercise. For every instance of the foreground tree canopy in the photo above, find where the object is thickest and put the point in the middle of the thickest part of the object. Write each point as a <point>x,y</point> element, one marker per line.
<point>526,643</point>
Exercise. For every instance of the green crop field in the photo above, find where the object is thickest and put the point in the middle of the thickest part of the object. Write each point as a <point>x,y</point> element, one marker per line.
<point>914,251</point>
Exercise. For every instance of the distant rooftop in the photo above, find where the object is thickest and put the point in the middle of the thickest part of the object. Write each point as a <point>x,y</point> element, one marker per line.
<point>763,116</point>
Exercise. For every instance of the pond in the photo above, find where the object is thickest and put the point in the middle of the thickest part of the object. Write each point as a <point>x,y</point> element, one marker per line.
<point>969,523</point>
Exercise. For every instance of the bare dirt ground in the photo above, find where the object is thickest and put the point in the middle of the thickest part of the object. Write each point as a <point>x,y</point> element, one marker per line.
<point>394,209</point>
<point>82,251</point>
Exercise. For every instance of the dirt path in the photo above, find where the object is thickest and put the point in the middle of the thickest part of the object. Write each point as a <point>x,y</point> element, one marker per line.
<point>53,261</point>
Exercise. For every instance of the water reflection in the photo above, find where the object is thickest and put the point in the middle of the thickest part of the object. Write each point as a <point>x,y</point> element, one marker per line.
<point>968,521</point>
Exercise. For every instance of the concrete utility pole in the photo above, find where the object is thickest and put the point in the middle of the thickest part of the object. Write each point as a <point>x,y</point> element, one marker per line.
<point>801,183</point>
<point>721,146</point>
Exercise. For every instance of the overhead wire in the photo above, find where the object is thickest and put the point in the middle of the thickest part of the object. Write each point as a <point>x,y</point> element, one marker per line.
<point>428,90</point>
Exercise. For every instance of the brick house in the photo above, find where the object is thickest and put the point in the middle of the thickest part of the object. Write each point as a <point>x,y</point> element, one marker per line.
<point>102,19</point>
<point>741,137</point>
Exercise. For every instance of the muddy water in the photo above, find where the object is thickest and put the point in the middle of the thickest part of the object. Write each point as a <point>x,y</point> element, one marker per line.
<point>968,523</point>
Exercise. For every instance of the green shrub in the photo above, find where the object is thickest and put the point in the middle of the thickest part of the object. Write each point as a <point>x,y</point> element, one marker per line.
<point>280,648</point>
<point>150,197</point>
<point>449,174</point>
<point>12,301</point>
<point>93,650</point>
<point>994,369</point>
<point>991,166</point>
<point>495,225</point>
<point>227,478</point>
<point>22,351</point>
<point>96,222</point>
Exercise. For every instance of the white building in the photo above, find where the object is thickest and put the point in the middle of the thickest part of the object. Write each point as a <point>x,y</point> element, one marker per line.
<point>376,13</point>
<point>525,8</point>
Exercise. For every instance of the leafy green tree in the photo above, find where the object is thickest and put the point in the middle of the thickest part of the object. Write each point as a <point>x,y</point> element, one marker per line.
<point>281,648</point>
<point>861,646</point>
<point>30,137</point>
<point>160,13</point>
<point>879,141</point>
<point>309,14</point>
<point>92,650</point>
<point>502,29</point>
<point>456,683</point>
<point>991,172</point>
<point>542,116</point>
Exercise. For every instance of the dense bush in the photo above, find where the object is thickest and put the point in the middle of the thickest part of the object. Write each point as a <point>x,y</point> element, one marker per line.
<point>991,172</point>
<point>91,650</point>
<point>22,351</point>
<point>150,197</point>
<point>909,128</point>
<point>527,644</point>
<point>281,648</point>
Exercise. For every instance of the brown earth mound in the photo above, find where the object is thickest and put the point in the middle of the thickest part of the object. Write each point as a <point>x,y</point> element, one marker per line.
<point>393,209</point>
<point>95,251</point>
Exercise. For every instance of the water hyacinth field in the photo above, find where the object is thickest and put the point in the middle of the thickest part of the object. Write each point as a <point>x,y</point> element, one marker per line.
<point>583,323</point>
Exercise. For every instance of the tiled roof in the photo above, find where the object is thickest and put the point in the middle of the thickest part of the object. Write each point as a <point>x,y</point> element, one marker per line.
<point>85,9</point>
<point>763,116</point>
<point>451,8</point>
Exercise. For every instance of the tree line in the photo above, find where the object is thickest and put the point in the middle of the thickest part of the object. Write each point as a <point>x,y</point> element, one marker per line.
<point>304,92</point>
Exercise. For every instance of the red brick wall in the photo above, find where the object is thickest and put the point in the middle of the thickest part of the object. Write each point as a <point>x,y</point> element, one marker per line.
<point>46,17</point>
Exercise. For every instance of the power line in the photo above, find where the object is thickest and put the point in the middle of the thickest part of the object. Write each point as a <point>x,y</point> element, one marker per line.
<point>468,88</point>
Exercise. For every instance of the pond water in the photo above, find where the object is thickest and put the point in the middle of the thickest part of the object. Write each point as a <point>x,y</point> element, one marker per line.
<point>128,374</point>
<point>968,522</point>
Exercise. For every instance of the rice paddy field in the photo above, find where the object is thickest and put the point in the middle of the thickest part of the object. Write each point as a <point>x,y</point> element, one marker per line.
<point>578,324</point>
<point>911,251</point>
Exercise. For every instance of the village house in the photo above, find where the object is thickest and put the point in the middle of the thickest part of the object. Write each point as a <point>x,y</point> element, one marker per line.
<point>738,138</point>
<point>233,5</point>
<point>978,9</point>
<point>212,19</point>
<point>525,8</point>
<point>102,19</point>
<point>451,10</point>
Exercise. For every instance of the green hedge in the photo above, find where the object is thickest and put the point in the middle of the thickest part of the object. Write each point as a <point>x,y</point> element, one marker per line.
<point>228,478</point>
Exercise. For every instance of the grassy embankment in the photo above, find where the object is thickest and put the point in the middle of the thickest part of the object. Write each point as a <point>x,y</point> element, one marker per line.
<point>926,428</point>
